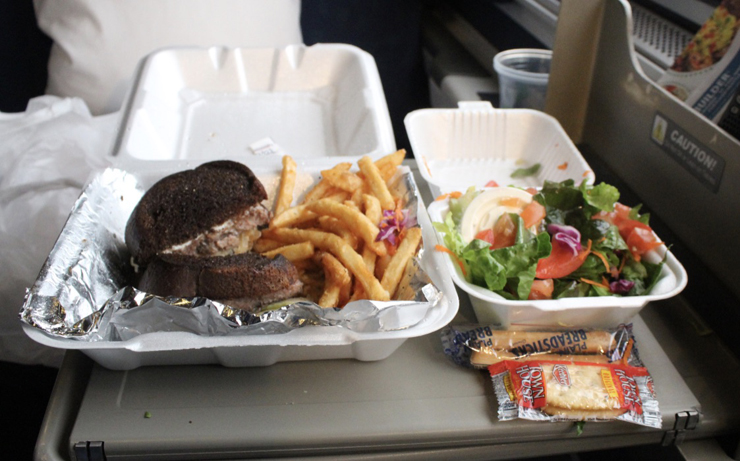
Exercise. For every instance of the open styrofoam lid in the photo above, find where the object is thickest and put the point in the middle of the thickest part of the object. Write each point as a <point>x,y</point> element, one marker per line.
<point>207,103</point>
<point>475,144</point>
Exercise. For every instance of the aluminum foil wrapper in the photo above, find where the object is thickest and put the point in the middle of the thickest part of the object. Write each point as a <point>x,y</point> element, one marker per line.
<point>83,290</point>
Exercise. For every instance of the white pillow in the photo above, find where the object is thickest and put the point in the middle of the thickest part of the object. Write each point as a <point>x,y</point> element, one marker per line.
<point>98,43</point>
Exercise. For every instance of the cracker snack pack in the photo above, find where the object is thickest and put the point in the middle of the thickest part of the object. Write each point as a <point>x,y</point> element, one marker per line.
<point>576,374</point>
<point>558,390</point>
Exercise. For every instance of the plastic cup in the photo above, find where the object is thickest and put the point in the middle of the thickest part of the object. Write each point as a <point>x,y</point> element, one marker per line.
<point>522,77</point>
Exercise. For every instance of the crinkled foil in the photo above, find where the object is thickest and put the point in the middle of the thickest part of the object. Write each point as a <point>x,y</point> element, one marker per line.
<point>83,290</point>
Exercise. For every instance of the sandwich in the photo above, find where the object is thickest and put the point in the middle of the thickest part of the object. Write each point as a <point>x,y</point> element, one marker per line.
<point>192,233</point>
<point>215,209</point>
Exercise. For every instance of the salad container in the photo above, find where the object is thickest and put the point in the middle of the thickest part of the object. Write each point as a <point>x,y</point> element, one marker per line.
<point>476,144</point>
<point>592,311</point>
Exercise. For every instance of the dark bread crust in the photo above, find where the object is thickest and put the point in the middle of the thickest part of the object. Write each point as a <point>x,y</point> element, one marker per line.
<point>246,276</point>
<point>183,205</point>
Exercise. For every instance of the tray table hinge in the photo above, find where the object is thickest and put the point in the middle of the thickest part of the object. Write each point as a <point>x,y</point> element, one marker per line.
<point>89,451</point>
<point>685,421</point>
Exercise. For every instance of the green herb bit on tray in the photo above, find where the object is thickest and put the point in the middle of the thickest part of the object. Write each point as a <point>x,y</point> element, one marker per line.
<point>524,172</point>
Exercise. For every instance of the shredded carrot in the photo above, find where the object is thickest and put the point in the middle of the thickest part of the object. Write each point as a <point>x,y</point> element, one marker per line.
<point>424,159</point>
<point>399,213</point>
<point>462,268</point>
<point>621,265</point>
<point>444,249</point>
<point>596,284</point>
<point>455,194</point>
<point>511,201</point>
<point>402,235</point>
<point>563,166</point>
<point>586,173</point>
<point>602,258</point>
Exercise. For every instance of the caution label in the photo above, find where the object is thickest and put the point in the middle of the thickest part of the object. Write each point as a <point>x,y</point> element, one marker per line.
<point>705,164</point>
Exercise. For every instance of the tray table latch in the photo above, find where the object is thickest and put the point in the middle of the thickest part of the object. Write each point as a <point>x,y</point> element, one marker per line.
<point>89,451</point>
<point>686,420</point>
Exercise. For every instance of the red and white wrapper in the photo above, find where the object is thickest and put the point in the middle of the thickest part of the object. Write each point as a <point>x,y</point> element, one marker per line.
<point>553,390</point>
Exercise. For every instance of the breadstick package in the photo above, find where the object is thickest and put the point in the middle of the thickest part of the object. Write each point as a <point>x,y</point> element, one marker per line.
<point>482,346</point>
<point>562,390</point>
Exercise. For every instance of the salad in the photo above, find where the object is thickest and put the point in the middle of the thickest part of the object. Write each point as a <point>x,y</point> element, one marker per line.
<point>564,240</point>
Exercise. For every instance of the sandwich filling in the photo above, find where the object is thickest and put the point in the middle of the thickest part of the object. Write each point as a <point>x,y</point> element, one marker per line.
<point>234,236</point>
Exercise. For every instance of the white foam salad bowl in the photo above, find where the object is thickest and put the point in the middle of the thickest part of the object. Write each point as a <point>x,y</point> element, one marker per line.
<point>594,312</point>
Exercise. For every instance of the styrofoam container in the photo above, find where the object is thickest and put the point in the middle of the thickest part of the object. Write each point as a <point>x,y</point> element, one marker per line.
<point>474,144</point>
<point>306,343</point>
<point>312,101</point>
<point>321,104</point>
<point>595,312</point>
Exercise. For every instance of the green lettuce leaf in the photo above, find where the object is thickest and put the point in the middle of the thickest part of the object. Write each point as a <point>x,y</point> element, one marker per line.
<point>460,204</point>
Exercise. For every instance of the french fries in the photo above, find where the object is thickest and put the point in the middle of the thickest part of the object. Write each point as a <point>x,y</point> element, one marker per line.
<point>372,208</point>
<point>331,235</point>
<point>337,281</point>
<point>287,184</point>
<point>389,164</point>
<point>377,185</point>
<point>352,218</point>
<point>341,250</point>
<point>293,253</point>
<point>341,178</point>
<point>396,266</point>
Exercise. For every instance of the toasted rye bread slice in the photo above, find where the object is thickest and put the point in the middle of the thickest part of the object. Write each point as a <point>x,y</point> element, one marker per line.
<point>186,204</point>
<point>246,280</point>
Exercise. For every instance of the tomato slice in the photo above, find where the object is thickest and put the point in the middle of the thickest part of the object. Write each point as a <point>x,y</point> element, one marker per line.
<point>561,262</point>
<point>533,214</point>
<point>504,232</point>
<point>640,241</point>
<point>502,235</point>
<point>638,236</point>
<point>541,289</point>
<point>627,225</point>
<point>485,235</point>
<point>491,183</point>
<point>620,214</point>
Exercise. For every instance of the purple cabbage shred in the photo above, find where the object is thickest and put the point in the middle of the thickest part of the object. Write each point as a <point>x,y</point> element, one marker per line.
<point>567,236</point>
<point>621,287</point>
<point>393,222</point>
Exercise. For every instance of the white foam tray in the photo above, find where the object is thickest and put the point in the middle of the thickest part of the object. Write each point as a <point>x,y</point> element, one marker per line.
<point>321,104</point>
<point>476,143</point>
<point>307,343</point>
<point>595,312</point>
<point>312,101</point>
